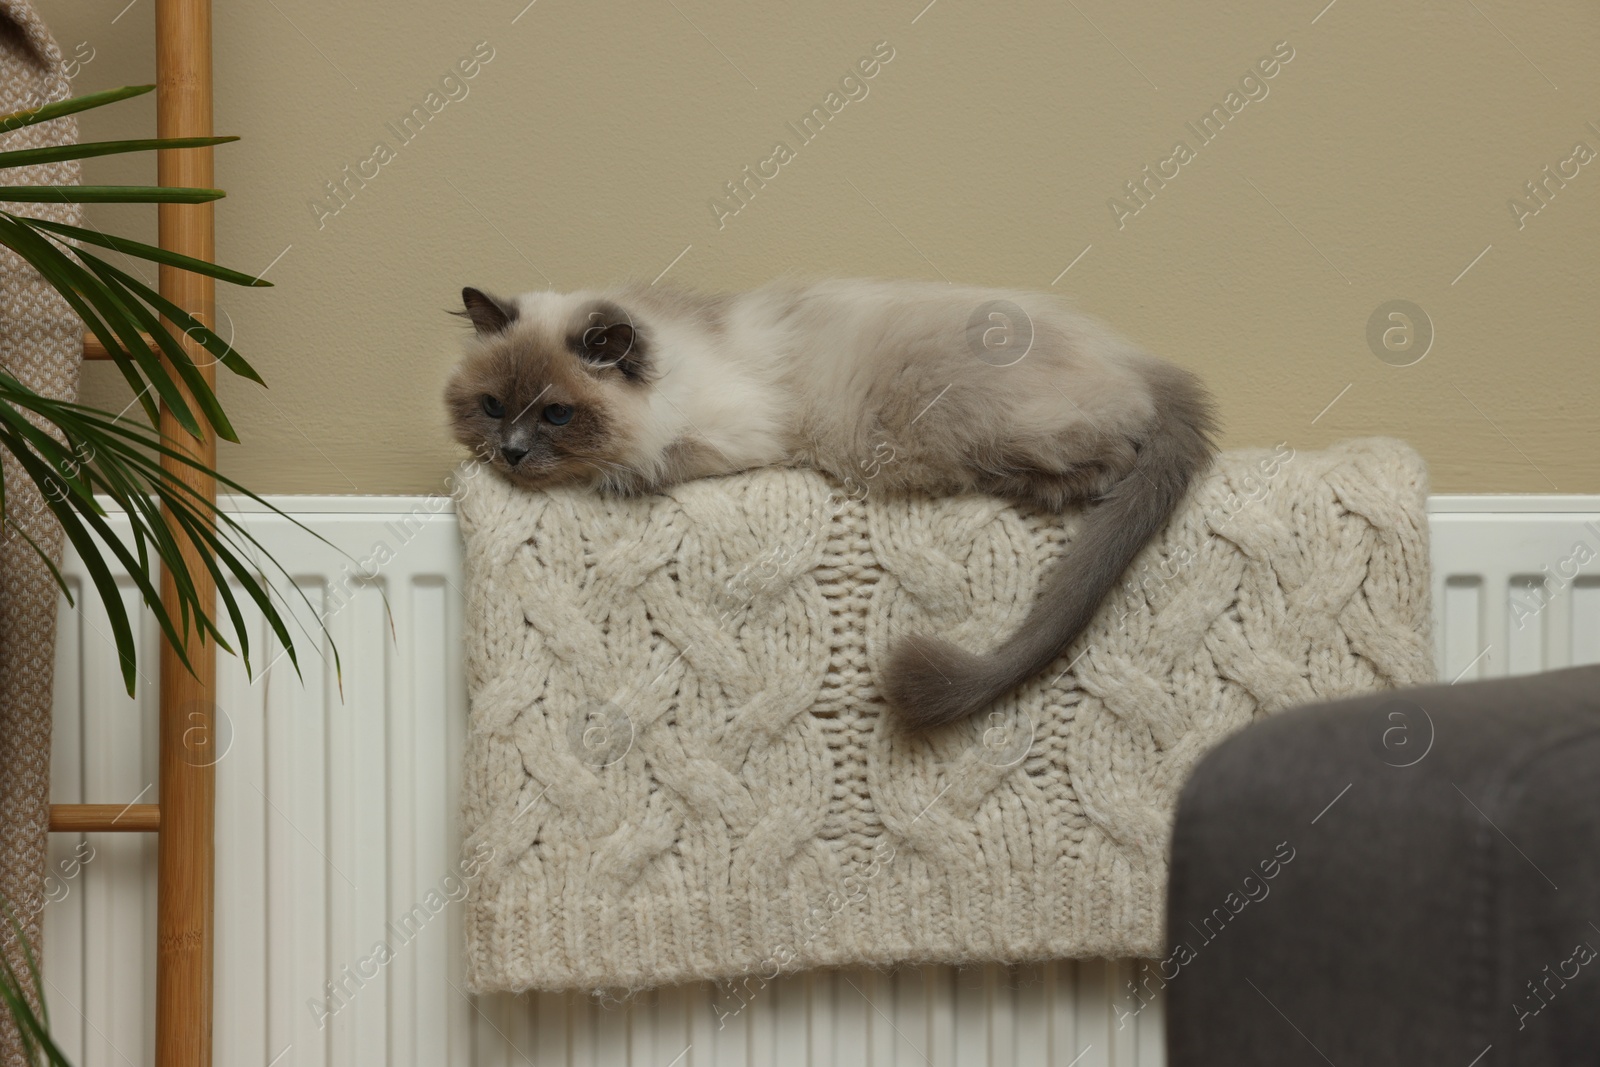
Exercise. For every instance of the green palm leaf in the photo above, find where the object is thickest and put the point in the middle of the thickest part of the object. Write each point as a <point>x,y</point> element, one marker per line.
<point>18,119</point>
<point>107,194</point>
<point>143,251</point>
<point>28,157</point>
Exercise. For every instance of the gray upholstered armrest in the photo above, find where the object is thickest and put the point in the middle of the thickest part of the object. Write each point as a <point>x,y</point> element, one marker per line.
<point>1409,878</point>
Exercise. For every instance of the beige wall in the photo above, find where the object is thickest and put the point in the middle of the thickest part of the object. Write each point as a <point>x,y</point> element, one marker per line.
<point>1378,167</point>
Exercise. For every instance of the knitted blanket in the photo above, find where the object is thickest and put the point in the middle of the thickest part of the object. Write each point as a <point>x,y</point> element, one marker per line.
<point>678,766</point>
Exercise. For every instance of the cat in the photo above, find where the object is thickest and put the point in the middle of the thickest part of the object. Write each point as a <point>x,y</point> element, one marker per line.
<point>975,390</point>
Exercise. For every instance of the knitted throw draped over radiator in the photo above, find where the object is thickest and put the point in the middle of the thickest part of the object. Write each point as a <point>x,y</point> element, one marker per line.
<point>41,342</point>
<point>678,766</point>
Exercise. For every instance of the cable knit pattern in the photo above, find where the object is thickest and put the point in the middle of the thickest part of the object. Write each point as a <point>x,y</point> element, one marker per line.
<point>678,766</point>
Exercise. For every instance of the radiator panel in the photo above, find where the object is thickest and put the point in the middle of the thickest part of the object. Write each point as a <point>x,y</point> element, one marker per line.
<point>336,816</point>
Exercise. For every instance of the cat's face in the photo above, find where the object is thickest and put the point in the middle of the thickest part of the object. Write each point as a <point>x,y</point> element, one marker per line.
<point>546,397</point>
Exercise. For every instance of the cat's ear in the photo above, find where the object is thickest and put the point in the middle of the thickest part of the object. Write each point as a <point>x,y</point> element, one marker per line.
<point>488,315</point>
<point>608,338</point>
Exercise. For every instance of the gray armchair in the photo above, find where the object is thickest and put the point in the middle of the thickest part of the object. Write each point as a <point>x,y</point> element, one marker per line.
<point>1408,878</point>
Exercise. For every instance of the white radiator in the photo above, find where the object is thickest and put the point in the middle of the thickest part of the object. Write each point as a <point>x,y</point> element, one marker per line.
<point>336,818</point>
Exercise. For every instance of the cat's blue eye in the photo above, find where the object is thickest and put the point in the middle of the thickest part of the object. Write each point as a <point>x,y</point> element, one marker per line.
<point>558,414</point>
<point>493,408</point>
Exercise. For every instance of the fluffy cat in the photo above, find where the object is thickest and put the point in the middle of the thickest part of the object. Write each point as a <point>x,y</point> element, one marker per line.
<point>974,390</point>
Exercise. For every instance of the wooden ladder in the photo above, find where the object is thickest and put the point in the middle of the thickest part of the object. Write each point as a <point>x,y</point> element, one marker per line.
<point>183,817</point>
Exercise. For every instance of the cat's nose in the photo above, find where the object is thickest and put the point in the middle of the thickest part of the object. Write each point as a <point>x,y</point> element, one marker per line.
<point>513,454</point>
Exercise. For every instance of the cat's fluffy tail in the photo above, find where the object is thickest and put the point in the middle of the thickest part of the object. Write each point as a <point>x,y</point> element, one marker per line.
<point>932,682</point>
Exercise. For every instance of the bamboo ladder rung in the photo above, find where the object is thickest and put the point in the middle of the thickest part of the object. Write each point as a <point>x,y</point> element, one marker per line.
<point>93,349</point>
<point>100,818</point>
